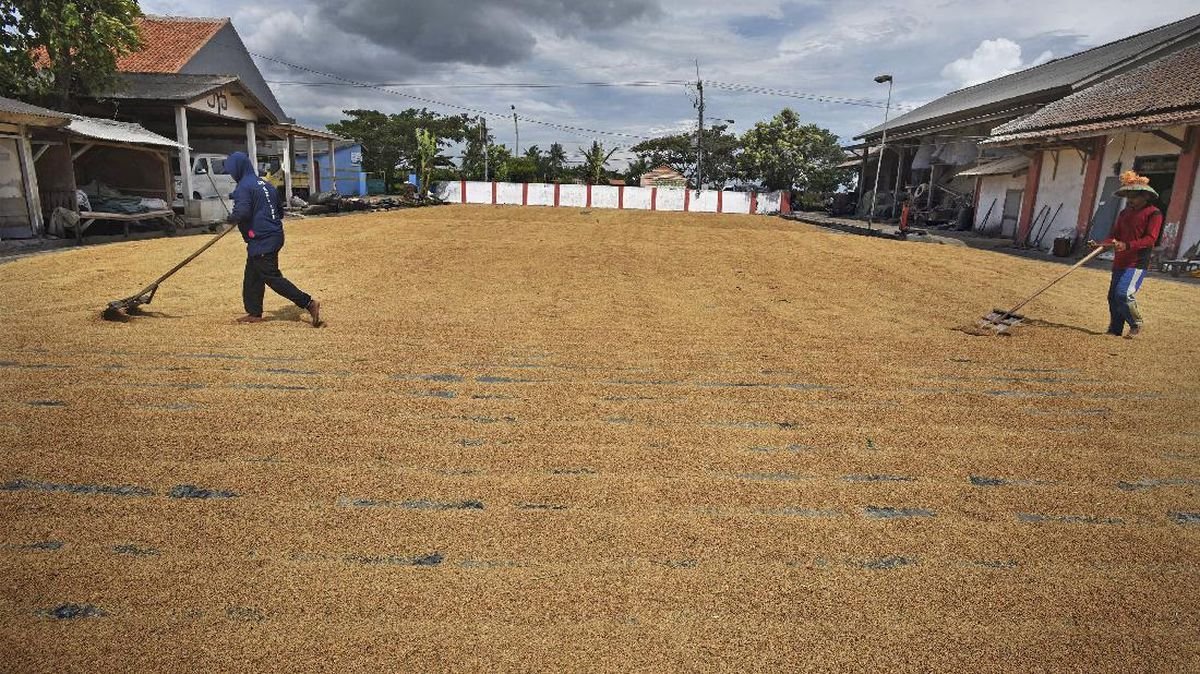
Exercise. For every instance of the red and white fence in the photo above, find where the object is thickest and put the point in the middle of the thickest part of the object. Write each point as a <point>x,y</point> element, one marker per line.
<point>612,196</point>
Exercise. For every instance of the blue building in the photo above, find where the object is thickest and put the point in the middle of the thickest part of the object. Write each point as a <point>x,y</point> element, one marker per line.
<point>351,181</point>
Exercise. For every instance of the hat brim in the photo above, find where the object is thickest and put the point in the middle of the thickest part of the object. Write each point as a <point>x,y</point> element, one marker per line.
<point>1133,189</point>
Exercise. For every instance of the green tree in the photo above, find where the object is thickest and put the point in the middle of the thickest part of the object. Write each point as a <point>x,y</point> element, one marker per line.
<point>556,163</point>
<point>784,154</point>
<point>678,151</point>
<point>594,159</point>
<point>636,169</point>
<point>427,151</point>
<point>523,169</point>
<point>390,141</point>
<point>80,42</point>
<point>477,138</point>
<point>499,158</point>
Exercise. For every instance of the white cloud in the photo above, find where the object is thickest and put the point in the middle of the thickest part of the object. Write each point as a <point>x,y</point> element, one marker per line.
<point>992,58</point>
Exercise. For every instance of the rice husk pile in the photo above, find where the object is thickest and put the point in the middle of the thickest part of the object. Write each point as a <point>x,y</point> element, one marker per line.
<point>560,440</point>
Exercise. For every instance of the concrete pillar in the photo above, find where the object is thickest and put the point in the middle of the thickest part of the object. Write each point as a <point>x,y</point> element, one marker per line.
<point>313,187</point>
<point>1091,186</point>
<point>185,155</point>
<point>1029,198</point>
<point>286,165</point>
<point>252,146</point>
<point>332,168</point>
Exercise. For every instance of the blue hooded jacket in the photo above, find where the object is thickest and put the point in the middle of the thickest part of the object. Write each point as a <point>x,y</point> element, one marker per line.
<point>255,208</point>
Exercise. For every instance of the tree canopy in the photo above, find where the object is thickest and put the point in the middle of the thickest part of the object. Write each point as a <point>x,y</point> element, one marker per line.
<point>80,41</point>
<point>780,153</point>
<point>784,154</point>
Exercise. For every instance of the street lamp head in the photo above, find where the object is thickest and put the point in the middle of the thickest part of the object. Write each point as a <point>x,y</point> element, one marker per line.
<point>883,78</point>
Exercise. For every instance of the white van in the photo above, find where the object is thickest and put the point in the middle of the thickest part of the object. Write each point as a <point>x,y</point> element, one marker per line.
<point>210,180</point>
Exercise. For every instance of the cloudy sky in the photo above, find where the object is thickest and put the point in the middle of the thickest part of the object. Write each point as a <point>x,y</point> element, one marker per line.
<point>469,53</point>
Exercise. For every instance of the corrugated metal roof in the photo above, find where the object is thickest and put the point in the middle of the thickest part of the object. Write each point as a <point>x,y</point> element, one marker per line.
<point>116,132</point>
<point>999,167</point>
<point>1169,84</point>
<point>15,107</point>
<point>164,86</point>
<point>1045,80</point>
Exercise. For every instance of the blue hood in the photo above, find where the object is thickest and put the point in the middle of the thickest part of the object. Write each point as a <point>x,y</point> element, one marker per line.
<point>238,166</point>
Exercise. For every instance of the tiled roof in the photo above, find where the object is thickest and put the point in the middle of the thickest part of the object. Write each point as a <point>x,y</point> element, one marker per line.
<point>1059,75</point>
<point>168,43</point>
<point>1091,129</point>
<point>1158,89</point>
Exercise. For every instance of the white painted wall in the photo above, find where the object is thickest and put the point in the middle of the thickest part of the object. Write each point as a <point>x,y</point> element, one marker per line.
<point>1128,146</point>
<point>450,192</point>
<point>1191,225</point>
<point>637,198</point>
<point>995,188</point>
<point>479,193</point>
<point>670,199</point>
<point>704,202</point>
<point>541,194</point>
<point>1061,191</point>
<point>769,203</point>
<point>511,194</point>
<point>572,195</point>
<point>605,196</point>
<point>736,202</point>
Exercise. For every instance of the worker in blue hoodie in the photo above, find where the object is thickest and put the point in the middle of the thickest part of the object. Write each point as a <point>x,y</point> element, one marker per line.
<point>257,214</point>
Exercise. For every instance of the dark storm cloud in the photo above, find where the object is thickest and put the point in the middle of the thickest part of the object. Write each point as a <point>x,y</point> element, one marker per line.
<point>491,33</point>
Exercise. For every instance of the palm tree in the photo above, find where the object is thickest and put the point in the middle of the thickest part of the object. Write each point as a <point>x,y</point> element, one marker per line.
<point>594,160</point>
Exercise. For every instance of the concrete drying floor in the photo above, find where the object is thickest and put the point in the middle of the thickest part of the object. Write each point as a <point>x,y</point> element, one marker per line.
<point>564,440</point>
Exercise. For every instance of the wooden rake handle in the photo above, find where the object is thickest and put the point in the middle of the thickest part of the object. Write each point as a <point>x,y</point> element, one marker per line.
<point>1046,287</point>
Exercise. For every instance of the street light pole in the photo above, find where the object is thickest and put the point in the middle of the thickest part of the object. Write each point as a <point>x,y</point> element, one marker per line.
<point>882,143</point>
<point>517,129</point>
<point>483,139</point>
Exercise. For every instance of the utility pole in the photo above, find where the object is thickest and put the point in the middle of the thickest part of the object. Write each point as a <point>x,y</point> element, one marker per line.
<point>517,151</point>
<point>483,137</point>
<point>699,131</point>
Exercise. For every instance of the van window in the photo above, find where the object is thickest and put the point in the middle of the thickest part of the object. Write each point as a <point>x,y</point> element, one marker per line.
<point>218,166</point>
<point>201,167</point>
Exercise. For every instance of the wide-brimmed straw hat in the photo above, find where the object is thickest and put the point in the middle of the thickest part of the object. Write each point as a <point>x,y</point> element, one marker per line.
<point>1132,183</point>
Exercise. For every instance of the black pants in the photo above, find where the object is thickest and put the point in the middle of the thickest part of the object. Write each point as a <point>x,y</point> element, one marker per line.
<point>262,271</point>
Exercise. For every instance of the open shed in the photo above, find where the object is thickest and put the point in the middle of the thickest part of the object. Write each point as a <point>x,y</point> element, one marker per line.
<point>95,170</point>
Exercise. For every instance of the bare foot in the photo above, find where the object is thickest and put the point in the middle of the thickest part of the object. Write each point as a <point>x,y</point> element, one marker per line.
<point>314,310</point>
<point>250,318</point>
<point>1134,331</point>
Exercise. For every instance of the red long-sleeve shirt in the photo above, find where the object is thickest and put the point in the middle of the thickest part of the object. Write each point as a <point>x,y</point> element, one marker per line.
<point>1138,229</point>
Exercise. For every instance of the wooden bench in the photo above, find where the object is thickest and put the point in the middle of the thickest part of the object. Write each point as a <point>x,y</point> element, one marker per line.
<point>86,218</point>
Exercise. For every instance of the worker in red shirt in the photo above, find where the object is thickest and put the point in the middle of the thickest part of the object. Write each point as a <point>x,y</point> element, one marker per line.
<point>1133,238</point>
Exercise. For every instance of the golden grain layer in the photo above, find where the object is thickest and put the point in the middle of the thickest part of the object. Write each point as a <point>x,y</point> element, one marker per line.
<point>572,440</point>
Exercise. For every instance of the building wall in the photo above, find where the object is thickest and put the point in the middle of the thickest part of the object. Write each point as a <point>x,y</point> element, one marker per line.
<point>995,187</point>
<point>1191,224</point>
<point>1060,190</point>
<point>1126,147</point>
<point>349,166</point>
<point>225,54</point>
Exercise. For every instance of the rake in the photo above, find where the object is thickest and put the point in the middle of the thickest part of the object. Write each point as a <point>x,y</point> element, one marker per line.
<point>130,304</point>
<point>999,320</point>
<point>146,295</point>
